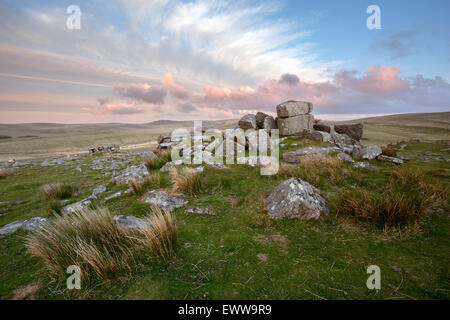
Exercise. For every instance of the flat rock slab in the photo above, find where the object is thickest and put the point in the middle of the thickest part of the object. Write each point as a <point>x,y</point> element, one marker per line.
<point>163,200</point>
<point>298,155</point>
<point>131,223</point>
<point>389,159</point>
<point>344,157</point>
<point>28,225</point>
<point>78,206</point>
<point>296,124</point>
<point>365,165</point>
<point>133,172</point>
<point>295,199</point>
<point>200,211</point>
<point>293,108</point>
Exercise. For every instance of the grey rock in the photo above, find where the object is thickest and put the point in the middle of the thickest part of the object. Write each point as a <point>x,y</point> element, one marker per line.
<point>353,130</point>
<point>11,227</point>
<point>296,124</point>
<point>341,138</point>
<point>298,155</point>
<point>369,152</point>
<point>389,159</point>
<point>248,122</point>
<point>319,136</point>
<point>170,165</point>
<point>115,195</point>
<point>293,108</point>
<point>269,123</point>
<point>78,206</point>
<point>34,223</point>
<point>163,200</point>
<point>98,190</point>
<point>260,116</point>
<point>344,157</point>
<point>200,211</point>
<point>295,199</point>
<point>218,165</point>
<point>133,172</point>
<point>131,223</point>
<point>199,169</point>
<point>364,164</point>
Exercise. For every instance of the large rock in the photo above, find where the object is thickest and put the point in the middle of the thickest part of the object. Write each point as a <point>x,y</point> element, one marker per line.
<point>353,130</point>
<point>269,123</point>
<point>248,122</point>
<point>295,199</point>
<point>322,136</point>
<point>297,124</point>
<point>298,155</point>
<point>369,152</point>
<point>293,108</point>
<point>131,223</point>
<point>260,116</point>
<point>163,200</point>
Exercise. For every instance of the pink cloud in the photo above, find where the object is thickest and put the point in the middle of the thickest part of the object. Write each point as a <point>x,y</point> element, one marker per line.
<point>112,108</point>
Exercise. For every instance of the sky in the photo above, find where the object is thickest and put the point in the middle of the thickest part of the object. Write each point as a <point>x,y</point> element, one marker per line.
<point>137,61</point>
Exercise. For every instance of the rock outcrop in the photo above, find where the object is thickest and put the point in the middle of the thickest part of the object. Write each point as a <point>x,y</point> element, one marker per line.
<point>294,117</point>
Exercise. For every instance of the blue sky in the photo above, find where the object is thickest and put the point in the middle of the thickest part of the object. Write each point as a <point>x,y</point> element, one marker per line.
<point>139,61</point>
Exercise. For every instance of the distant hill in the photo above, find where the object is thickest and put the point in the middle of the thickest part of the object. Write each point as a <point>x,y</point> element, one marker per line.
<point>35,140</point>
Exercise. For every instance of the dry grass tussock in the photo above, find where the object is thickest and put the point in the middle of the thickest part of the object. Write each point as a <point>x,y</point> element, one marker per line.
<point>162,157</point>
<point>318,169</point>
<point>138,186</point>
<point>186,180</point>
<point>58,190</point>
<point>6,172</point>
<point>91,240</point>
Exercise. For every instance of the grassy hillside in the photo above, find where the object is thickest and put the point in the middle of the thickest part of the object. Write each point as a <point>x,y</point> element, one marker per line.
<point>241,253</point>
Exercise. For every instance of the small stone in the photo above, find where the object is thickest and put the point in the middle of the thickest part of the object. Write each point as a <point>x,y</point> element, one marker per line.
<point>131,223</point>
<point>344,157</point>
<point>200,211</point>
<point>98,190</point>
<point>364,164</point>
<point>369,152</point>
<point>389,159</point>
<point>163,200</point>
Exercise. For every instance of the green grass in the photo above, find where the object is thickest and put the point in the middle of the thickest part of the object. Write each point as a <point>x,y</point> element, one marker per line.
<point>217,256</point>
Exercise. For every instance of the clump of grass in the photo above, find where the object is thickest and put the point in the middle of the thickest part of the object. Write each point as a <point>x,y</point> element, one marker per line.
<point>162,237</point>
<point>54,206</point>
<point>316,169</point>
<point>388,151</point>
<point>91,240</point>
<point>162,157</point>
<point>391,208</point>
<point>58,190</point>
<point>138,186</point>
<point>187,180</point>
<point>6,172</point>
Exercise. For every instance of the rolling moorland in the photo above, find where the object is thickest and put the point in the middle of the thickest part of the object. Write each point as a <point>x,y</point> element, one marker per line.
<point>240,252</point>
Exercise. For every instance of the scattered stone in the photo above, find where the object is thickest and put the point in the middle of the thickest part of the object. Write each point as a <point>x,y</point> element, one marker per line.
<point>293,108</point>
<point>28,225</point>
<point>369,152</point>
<point>34,223</point>
<point>133,172</point>
<point>170,165</point>
<point>115,195</point>
<point>248,122</point>
<point>98,190</point>
<point>163,200</point>
<point>295,199</point>
<point>344,157</point>
<point>78,206</point>
<point>200,211</point>
<point>218,165</point>
<point>298,155</point>
<point>131,223</point>
<point>263,257</point>
<point>364,164</point>
<point>11,227</point>
<point>390,159</point>
<point>199,169</point>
